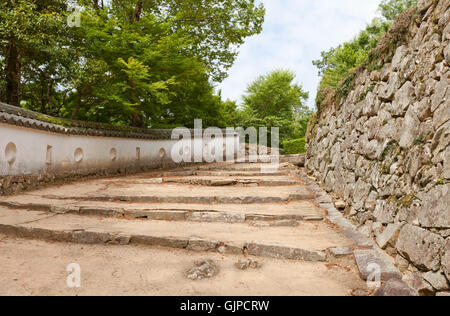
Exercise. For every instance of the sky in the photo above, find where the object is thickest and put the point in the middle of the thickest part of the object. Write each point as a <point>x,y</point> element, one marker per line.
<point>294,34</point>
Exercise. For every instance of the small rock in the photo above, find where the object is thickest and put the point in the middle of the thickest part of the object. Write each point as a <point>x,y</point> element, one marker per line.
<point>260,225</point>
<point>443,294</point>
<point>216,217</point>
<point>368,262</point>
<point>313,218</point>
<point>395,287</point>
<point>401,263</point>
<point>285,223</point>
<point>244,265</point>
<point>388,235</point>
<point>412,268</point>
<point>64,209</point>
<point>221,183</point>
<point>155,180</point>
<point>341,251</point>
<point>340,205</point>
<point>416,281</point>
<point>203,269</point>
<point>377,228</point>
<point>324,198</point>
<point>435,212</point>
<point>359,292</point>
<point>222,249</point>
<point>437,280</point>
<point>420,246</point>
<point>445,261</point>
<point>285,252</point>
<point>366,230</point>
<point>447,54</point>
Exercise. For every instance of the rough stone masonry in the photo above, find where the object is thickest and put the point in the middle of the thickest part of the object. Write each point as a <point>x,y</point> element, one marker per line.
<point>381,143</point>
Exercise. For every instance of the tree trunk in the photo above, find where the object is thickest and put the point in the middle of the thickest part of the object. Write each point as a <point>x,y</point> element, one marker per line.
<point>51,105</point>
<point>79,104</point>
<point>136,120</point>
<point>13,74</point>
<point>138,11</point>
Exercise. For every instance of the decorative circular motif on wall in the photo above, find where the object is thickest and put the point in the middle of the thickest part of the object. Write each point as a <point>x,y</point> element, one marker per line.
<point>11,153</point>
<point>162,153</point>
<point>79,155</point>
<point>113,154</point>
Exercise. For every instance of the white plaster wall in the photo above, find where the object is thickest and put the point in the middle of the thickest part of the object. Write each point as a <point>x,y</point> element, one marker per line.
<point>31,151</point>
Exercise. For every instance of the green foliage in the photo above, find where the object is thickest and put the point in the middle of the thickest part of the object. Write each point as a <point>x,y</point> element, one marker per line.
<point>296,146</point>
<point>390,9</point>
<point>337,64</point>
<point>275,100</point>
<point>276,93</point>
<point>346,85</point>
<point>33,37</point>
<point>137,62</point>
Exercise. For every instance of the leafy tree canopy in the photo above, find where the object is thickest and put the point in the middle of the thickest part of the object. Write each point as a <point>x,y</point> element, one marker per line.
<point>148,63</point>
<point>275,100</point>
<point>390,9</point>
<point>337,63</point>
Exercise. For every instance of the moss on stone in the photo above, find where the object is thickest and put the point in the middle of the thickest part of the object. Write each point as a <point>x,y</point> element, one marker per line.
<point>406,201</point>
<point>346,86</point>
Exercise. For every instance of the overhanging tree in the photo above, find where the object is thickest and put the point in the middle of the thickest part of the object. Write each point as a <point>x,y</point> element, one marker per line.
<point>144,63</point>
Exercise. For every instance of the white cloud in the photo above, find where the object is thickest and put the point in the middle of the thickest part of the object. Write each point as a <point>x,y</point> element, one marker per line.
<point>295,33</point>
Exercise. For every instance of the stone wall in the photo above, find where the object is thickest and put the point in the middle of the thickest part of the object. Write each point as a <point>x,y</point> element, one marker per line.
<point>381,143</point>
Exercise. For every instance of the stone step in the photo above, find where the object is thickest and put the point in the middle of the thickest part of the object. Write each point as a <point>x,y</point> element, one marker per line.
<point>167,214</point>
<point>222,173</point>
<point>307,242</point>
<point>173,193</point>
<point>240,173</point>
<point>256,167</point>
<point>295,159</point>
<point>216,182</point>
<point>305,209</point>
<point>189,199</point>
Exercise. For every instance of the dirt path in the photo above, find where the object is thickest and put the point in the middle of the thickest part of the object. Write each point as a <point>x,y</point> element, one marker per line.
<point>140,235</point>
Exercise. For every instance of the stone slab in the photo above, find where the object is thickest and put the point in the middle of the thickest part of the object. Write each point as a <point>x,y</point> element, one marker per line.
<point>369,262</point>
<point>285,252</point>
<point>395,287</point>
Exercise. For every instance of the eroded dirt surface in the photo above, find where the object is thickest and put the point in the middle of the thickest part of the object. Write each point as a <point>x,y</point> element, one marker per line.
<point>32,267</point>
<point>235,205</point>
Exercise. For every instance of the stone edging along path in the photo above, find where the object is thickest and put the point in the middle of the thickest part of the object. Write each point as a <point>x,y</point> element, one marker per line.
<point>368,253</point>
